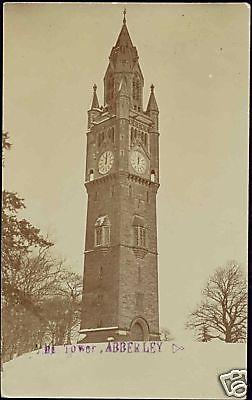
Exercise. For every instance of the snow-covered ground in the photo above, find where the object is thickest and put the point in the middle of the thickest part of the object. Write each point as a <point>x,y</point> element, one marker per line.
<point>189,373</point>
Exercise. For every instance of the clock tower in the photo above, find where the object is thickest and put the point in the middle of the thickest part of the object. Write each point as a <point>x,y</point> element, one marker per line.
<point>120,296</point>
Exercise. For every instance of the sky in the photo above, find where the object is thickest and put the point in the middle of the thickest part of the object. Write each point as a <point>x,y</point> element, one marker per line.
<point>197,56</point>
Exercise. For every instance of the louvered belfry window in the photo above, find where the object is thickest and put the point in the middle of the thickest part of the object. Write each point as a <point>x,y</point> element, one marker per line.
<point>139,232</point>
<point>102,231</point>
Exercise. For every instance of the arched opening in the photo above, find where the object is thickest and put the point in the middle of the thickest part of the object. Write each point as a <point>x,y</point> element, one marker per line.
<point>139,329</point>
<point>153,178</point>
<point>137,332</point>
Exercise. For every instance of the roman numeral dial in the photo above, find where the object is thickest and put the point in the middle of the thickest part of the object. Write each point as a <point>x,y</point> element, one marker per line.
<point>138,161</point>
<point>105,162</point>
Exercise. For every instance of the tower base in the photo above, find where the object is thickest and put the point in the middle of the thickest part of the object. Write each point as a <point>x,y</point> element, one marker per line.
<point>110,334</point>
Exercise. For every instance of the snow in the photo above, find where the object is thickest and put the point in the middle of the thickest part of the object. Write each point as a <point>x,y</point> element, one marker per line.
<point>190,373</point>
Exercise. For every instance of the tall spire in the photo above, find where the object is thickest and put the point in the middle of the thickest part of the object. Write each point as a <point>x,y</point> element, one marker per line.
<point>95,102</point>
<point>152,103</point>
<point>123,49</point>
<point>123,62</point>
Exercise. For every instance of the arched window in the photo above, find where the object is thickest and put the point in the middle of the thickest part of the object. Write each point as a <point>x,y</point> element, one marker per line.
<point>91,175</point>
<point>153,177</point>
<point>136,89</point>
<point>102,231</point>
<point>139,232</point>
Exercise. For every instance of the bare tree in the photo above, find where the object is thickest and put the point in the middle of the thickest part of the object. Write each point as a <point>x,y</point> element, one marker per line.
<point>203,334</point>
<point>25,319</point>
<point>71,290</point>
<point>63,310</point>
<point>223,311</point>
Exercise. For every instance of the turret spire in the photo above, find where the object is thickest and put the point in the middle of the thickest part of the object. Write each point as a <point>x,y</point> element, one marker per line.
<point>95,102</point>
<point>152,103</point>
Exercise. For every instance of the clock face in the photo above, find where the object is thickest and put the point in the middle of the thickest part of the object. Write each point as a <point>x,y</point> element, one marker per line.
<point>138,162</point>
<point>105,162</point>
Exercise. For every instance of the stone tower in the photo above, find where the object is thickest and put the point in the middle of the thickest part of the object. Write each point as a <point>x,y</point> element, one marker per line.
<point>120,299</point>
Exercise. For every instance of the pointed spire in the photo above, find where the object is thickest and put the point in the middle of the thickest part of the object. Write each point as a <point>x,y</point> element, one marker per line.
<point>152,104</point>
<point>123,41</point>
<point>124,37</point>
<point>95,102</point>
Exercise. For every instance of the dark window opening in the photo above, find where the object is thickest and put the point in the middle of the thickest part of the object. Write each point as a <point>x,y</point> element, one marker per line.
<point>91,175</point>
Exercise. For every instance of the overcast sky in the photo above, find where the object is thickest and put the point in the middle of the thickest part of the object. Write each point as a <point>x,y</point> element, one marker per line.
<point>197,58</point>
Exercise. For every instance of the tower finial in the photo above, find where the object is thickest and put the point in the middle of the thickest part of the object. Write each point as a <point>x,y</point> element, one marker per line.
<point>152,88</point>
<point>124,16</point>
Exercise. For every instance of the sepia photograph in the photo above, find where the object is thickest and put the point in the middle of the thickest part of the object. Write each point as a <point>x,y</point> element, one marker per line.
<point>125,200</point>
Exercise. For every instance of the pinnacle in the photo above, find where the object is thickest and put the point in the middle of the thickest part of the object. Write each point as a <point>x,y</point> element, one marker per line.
<point>152,103</point>
<point>95,102</point>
